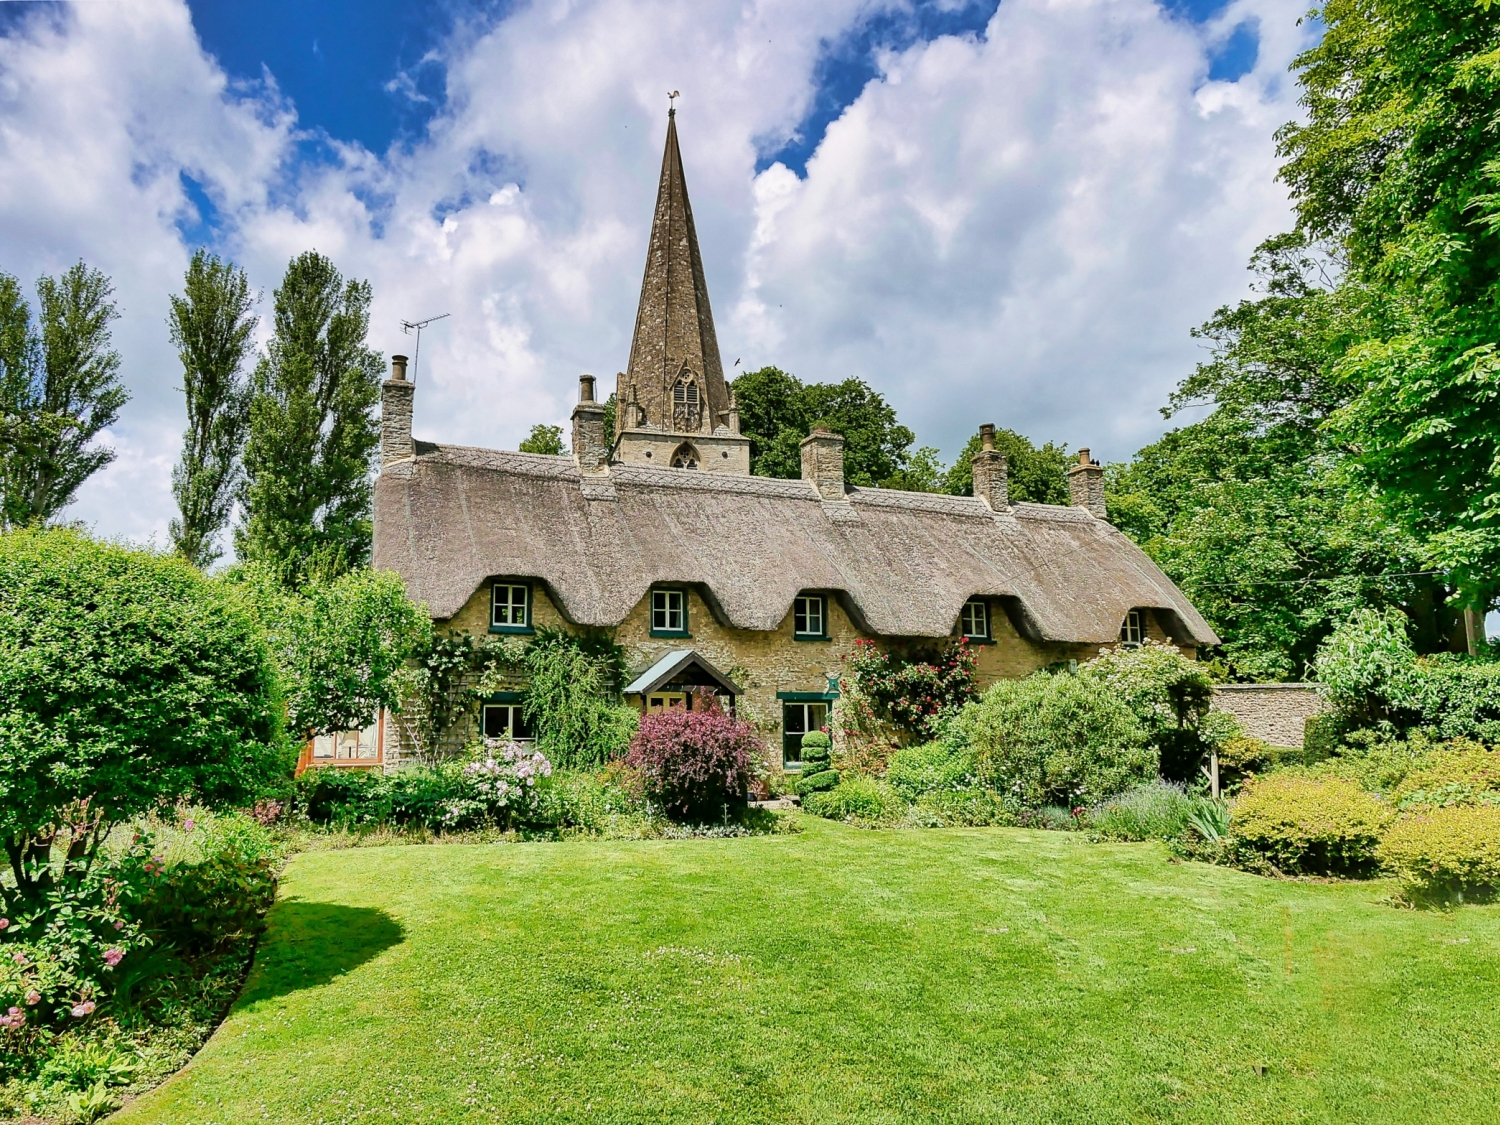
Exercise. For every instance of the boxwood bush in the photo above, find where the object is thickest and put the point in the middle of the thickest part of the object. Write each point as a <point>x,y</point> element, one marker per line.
<point>1445,853</point>
<point>1055,739</point>
<point>1306,823</point>
<point>818,773</point>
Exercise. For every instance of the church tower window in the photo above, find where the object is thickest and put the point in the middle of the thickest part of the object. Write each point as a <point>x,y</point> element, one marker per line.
<point>685,457</point>
<point>687,407</point>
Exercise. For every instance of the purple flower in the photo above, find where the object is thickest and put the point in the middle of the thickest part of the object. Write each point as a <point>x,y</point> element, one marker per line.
<point>112,957</point>
<point>119,923</point>
<point>189,824</point>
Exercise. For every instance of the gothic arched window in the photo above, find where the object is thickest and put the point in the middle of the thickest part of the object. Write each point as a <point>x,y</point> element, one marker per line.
<point>685,456</point>
<point>687,406</point>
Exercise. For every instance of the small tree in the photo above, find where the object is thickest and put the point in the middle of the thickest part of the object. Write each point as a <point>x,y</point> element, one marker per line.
<point>127,680</point>
<point>694,763</point>
<point>544,439</point>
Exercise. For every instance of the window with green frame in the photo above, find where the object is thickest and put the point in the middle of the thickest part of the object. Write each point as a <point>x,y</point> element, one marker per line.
<point>799,717</point>
<point>510,607</point>
<point>669,616</point>
<point>810,618</point>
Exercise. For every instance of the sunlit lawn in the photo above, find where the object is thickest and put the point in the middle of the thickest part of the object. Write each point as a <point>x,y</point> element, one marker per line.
<point>845,975</point>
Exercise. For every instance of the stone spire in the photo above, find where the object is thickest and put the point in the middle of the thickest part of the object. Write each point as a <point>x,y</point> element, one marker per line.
<point>675,380</point>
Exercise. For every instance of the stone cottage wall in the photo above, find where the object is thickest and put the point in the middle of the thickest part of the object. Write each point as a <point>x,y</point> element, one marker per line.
<point>1274,713</point>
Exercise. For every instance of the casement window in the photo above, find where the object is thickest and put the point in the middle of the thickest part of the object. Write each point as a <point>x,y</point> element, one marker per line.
<point>974,621</point>
<point>809,618</point>
<point>1133,631</point>
<point>669,613</point>
<point>505,720</point>
<point>798,719</point>
<point>510,608</point>
<point>348,745</point>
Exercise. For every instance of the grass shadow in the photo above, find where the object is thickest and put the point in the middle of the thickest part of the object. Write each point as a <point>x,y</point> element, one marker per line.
<point>307,944</point>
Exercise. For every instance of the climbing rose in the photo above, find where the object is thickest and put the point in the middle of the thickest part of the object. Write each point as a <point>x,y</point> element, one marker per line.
<point>81,1010</point>
<point>112,957</point>
<point>4,923</point>
<point>33,996</point>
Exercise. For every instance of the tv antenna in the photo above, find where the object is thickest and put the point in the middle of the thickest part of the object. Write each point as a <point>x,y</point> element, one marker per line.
<point>407,326</point>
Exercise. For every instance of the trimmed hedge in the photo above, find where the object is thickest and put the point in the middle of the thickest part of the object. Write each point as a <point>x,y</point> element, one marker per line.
<point>1311,824</point>
<point>818,774</point>
<point>1445,853</point>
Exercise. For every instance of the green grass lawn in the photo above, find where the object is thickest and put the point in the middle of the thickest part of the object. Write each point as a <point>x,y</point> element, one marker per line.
<point>986,975</point>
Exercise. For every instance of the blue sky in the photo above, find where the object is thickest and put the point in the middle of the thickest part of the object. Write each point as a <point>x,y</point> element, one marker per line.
<point>991,211</point>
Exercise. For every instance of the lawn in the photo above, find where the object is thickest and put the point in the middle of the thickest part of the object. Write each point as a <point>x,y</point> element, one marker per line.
<point>985,975</point>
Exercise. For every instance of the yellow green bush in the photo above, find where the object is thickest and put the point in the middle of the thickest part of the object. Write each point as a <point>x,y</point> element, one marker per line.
<point>1461,772</point>
<point>1303,822</point>
<point>1445,853</point>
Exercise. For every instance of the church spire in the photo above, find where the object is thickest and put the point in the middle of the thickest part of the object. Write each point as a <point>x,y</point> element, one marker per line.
<point>675,378</point>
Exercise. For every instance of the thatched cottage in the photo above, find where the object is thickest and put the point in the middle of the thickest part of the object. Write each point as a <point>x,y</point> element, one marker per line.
<point>709,576</point>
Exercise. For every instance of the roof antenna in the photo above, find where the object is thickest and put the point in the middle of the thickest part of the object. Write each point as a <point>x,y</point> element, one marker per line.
<point>406,329</point>
<point>672,109</point>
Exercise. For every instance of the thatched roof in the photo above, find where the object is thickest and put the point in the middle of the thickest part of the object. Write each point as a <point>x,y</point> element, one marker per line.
<point>901,563</point>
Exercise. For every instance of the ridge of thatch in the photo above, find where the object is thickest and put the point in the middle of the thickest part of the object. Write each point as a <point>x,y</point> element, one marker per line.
<point>902,563</point>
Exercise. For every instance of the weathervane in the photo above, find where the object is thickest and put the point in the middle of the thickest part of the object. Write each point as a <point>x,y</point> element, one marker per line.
<point>406,329</point>
<point>672,97</point>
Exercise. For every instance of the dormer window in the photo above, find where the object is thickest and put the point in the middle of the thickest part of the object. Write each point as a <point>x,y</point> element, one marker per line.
<point>687,407</point>
<point>669,613</point>
<point>510,607</point>
<point>974,621</point>
<point>1133,630</point>
<point>810,618</point>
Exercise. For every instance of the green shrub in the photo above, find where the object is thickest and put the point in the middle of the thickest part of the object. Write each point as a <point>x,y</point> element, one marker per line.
<point>1377,760</point>
<point>961,808</point>
<point>1156,810</point>
<point>817,773</point>
<point>351,798</point>
<point>1452,696</point>
<point>1055,738</point>
<point>127,680</point>
<point>216,897</point>
<point>1303,822</point>
<point>818,782</point>
<point>1445,853</point>
<point>930,767</point>
<point>1171,698</point>
<point>573,701</point>
<point>1460,772</point>
<point>857,797</point>
<point>595,802</point>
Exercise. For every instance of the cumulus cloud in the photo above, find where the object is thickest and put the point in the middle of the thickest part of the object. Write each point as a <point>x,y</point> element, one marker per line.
<point>1022,225</point>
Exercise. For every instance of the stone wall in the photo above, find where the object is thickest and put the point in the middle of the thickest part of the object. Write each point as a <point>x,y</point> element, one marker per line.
<point>766,663</point>
<point>1274,713</point>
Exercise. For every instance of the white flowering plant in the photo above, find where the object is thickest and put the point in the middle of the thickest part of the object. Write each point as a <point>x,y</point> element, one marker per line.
<point>503,784</point>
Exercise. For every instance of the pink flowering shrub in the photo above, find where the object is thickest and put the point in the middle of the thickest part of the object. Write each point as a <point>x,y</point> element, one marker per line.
<point>503,785</point>
<point>694,763</point>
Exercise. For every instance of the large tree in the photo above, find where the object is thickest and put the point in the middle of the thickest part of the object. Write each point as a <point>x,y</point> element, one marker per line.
<point>210,323</point>
<point>1395,168</point>
<point>1250,509</point>
<point>59,388</point>
<point>313,433</point>
<point>1038,474</point>
<point>778,410</point>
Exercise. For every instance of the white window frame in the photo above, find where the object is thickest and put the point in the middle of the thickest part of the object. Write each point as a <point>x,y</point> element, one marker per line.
<point>508,606</point>
<point>974,620</point>
<point>810,616</point>
<point>667,604</point>
<point>1133,628</point>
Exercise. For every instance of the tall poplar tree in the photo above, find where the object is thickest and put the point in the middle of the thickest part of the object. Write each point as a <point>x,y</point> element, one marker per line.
<point>211,325</point>
<point>313,433</point>
<point>59,387</point>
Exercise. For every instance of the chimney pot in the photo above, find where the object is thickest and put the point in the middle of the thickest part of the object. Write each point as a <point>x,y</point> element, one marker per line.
<point>823,463</point>
<point>398,368</point>
<point>590,443</point>
<point>585,388</point>
<point>1086,484</point>
<point>991,481</point>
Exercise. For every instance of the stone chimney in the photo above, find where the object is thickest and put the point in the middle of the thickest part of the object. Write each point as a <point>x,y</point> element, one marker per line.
<point>823,463</point>
<point>590,446</point>
<point>395,415</point>
<point>1086,482</point>
<point>990,481</point>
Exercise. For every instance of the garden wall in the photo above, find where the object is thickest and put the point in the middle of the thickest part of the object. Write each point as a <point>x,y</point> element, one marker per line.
<point>1274,713</point>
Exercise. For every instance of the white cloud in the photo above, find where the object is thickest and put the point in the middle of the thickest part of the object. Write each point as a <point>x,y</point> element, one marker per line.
<point>1023,227</point>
